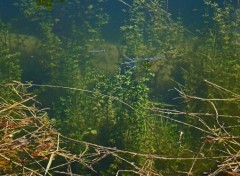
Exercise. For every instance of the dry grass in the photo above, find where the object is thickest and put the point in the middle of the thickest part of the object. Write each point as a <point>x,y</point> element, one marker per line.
<point>30,146</point>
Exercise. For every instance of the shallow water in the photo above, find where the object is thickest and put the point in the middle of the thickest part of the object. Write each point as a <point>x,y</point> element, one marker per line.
<point>128,76</point>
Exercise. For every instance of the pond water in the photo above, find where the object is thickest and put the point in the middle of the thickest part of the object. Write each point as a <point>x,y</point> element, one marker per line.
<point>157,77</point>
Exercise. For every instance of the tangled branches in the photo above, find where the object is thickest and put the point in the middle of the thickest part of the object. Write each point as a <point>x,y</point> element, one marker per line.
<point>30,146</point>
<point>219,129</point>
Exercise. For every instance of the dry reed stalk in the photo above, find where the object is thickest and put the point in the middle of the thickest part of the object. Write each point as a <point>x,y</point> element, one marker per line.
<point>30,146</point>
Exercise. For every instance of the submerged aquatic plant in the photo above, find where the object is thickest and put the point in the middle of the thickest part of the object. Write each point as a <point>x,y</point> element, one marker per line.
<point>142,126</point>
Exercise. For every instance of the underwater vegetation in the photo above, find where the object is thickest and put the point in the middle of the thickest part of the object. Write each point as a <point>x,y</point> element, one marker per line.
<point>162,100</point>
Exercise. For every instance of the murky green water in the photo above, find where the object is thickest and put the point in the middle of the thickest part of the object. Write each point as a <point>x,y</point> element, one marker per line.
<point>149,76</point>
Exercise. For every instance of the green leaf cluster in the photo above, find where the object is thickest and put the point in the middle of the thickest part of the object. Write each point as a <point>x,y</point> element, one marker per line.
<point>10,69</point>
<point>116,110</point>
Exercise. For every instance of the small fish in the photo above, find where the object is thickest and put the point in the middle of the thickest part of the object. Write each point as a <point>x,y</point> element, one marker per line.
<point>97,51</point>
